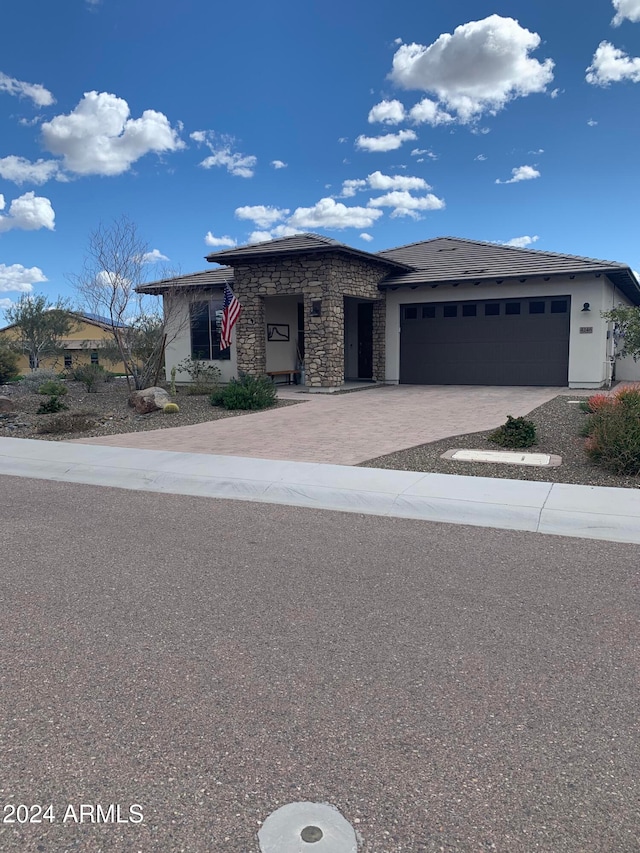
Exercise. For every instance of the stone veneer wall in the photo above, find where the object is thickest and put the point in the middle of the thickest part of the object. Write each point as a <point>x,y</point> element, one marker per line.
<point>329,277</point>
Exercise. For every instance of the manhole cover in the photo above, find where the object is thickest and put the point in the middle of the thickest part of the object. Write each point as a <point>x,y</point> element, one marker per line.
<point>298,827</point>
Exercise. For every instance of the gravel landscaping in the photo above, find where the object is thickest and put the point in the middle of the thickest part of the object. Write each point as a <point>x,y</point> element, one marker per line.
<point>107,411</point>
<point>558,425</point>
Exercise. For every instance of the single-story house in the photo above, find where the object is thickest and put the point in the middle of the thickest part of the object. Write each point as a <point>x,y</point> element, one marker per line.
<point>82,345</point>
<point>441,311</point>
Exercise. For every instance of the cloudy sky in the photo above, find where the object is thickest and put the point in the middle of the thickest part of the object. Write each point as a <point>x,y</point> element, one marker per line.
<point>212,125</point>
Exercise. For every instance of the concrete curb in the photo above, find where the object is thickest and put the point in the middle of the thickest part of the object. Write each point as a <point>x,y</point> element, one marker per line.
<point>559,509</point>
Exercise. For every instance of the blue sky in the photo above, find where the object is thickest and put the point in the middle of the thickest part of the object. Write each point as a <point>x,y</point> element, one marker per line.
<point>377,124</point>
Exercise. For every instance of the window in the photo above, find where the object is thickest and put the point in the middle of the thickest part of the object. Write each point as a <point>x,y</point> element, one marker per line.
<point>450,311</point>
<point>428,312</point>
<point>559,306</point>
<point>492,309</point>
<point>469,310</point>
<point>512,308</point>
<point>536,308</point>
<point>94,358</point>
<point>410,312</point>
<point>68,360</point>
<point>206,318</point>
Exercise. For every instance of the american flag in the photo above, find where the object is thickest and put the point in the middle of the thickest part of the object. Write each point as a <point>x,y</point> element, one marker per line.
<point>230,312</point>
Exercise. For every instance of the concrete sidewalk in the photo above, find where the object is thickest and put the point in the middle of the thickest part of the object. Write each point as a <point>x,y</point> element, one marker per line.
<point>562,509</point>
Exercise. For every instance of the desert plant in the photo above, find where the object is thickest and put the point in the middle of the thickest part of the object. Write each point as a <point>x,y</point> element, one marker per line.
<point>51,406</point>
<point>35,378</point>
<point>51,388</point>
<point>614,439</point>
<point>205,378</point>
<point>69,422</point>
<point>629,399</point>
<point>173,391</point>
<point>597,402</point>
<point>516,432</point>
<point>170,409</point>
<point>248,393</point>
<point>8,365</point>
<point>90,375</point>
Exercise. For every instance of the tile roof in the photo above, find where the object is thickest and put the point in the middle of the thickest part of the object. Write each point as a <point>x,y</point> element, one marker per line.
<point>214,277</point>
<point>298,244</point>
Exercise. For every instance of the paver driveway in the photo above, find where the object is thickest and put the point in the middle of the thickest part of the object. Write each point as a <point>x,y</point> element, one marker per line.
<point>346,429</point>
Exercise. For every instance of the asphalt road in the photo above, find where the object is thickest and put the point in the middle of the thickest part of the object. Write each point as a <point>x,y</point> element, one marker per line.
<point>448,688</point>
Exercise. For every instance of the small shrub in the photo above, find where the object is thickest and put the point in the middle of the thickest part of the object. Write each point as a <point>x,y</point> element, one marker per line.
<point>205,377</point>
<point>247,393</point>
<point>51,388</point>
<point>629,399</point>
<point>90,375</point>
<point>33,380</point>
<point>516,432</point>
<point>171,409</point>
<point>70,422</point>
<point>8,365</point>
<point>597,402</point>
<point>51,406</point>
<point>614,439</point>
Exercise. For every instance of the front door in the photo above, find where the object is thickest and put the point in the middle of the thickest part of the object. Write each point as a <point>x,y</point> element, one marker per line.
<point>365,340</point>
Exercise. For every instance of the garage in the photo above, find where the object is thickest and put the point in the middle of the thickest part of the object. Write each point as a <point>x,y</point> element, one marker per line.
<point>486,342</point>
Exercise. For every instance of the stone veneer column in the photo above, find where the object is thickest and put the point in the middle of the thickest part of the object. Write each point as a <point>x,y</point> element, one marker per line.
<point>379,332</point>
<point>251,349</point>
<point>324,342</point>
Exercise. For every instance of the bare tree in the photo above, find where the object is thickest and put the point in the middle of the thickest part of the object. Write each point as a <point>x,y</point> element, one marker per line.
<point>115,265</point>
<point>40,327</point>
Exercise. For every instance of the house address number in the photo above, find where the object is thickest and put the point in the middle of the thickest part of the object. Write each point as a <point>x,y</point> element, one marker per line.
<point>586,330</point>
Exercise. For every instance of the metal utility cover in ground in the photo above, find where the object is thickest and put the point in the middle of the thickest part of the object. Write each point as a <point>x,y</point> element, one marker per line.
<point>302,826</point>
<point>506,457</point>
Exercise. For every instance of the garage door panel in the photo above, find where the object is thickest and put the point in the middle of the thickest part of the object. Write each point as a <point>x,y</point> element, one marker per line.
<point>508,349</point>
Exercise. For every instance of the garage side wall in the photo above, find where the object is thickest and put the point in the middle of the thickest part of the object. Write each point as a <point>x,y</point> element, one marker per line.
<point>588,362</point>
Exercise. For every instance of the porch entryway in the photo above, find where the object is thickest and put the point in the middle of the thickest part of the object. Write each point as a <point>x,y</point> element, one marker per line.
<point>358,339</point>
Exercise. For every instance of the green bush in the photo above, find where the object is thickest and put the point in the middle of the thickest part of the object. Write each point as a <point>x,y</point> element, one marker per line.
<point>90,375</point>
<point>51,406</point>
<point>51,388</point>
<point>69,422</point>
<point>35,378</point>
<point>8,365</point>
<point>614,434</point>
<point>205,377</point>
<point>516,432</point>
<point>247,393</point>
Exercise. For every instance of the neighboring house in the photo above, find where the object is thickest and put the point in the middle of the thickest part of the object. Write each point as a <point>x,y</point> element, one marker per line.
<point>81,346</point>
<point>439,312</point>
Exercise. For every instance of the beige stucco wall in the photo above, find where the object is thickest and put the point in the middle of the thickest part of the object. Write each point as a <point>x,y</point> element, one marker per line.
<point>281,355</point>
<point>588,354</point>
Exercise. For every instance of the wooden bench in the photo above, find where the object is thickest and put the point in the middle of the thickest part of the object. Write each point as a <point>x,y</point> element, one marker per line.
<point>292,376</point>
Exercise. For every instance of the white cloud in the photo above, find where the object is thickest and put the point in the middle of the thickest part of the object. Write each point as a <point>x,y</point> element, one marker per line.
<point>278,231</point>
<point>611,65</point>
<point>278,164</point>
<point>367,237</point>
<point>481,157</point>
<point>479,68</point>
<point>99,138</point>
<point>404,204</point>
<point>29,212</point>
<point>226,242</point>
<point>427,111</point>
<point>351,186</point>
<point>21,171</point>
<point>39,95</point>
<point>521,173</point>
<point>378,181</point>
<point>19,279</point>
<point>626,10</point>
<point>592,122</point>
<point>538,151</point>
<point>387,112</point>
<point>328,213</point>
<point>387,142</point>
<point>419,152</point>
<point>262,215</point>
<point>6,303</point>
<point>153,257</point>
<point>222,154</point>
<point>522,242</point>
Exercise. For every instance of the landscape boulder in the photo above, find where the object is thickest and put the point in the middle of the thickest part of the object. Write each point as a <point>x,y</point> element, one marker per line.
<point>148,400</point>
<point>6,405</point>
